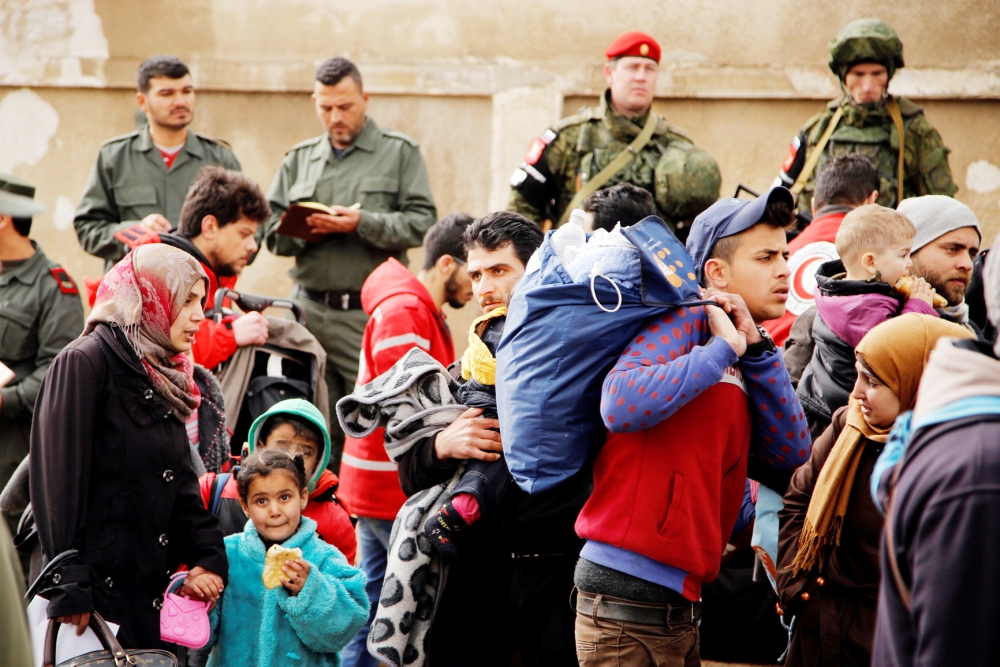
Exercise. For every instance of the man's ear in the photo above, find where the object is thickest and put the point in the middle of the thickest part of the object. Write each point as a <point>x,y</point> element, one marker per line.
<point>446,265</point>
<point>717,273</point>
<point>140,99</point>
<point>872,198</point>
<point>209,227</point>
<point>607,72</point>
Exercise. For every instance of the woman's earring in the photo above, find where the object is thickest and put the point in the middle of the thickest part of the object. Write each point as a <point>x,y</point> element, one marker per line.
<point>247,513</point>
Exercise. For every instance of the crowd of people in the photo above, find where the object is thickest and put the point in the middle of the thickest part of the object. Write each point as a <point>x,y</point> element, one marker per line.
<point>807,379</point>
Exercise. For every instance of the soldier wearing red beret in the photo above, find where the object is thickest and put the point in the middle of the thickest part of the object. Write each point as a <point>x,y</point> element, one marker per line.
<point>577,155</point>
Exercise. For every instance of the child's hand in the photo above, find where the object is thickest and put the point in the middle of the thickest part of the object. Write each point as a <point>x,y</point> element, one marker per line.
<point>296,572</point>
<point>203,585</point>
<point>922,290</point>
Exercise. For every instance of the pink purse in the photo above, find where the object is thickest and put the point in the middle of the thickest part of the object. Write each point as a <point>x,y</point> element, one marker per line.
<point>183,621</point>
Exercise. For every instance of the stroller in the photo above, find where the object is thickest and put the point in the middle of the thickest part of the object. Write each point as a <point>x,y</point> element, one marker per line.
<point>291,364</point>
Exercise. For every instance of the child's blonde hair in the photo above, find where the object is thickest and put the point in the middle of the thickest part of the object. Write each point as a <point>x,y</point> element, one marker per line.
<point>871,228</point>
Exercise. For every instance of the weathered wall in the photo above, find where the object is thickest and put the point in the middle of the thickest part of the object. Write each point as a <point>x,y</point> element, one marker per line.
<point>473,82</point>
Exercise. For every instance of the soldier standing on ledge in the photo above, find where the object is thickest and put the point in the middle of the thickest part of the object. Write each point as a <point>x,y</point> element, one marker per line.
<point>375,181</point>
<point>866,119</point>
<point>621,141</point>
<point>139,183</point>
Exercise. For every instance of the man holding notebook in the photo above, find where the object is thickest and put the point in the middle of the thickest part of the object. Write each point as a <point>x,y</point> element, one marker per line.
<point>373,185</point>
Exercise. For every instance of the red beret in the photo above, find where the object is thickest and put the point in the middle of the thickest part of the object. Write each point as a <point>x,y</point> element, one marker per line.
<point>634,44</point>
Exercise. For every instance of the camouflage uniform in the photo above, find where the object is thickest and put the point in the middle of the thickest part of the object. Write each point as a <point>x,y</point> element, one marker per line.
<point>683,179</point>
<point>869,130</point>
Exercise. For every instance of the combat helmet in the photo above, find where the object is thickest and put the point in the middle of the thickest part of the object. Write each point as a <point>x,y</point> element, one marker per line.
<point>865,40</point>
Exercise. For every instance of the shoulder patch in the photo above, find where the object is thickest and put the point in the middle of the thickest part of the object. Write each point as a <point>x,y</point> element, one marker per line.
<point>124,137</point>
<point>66,284</point>
<point>400,136</point>
<point>538,147</point>
<point>308,143</point>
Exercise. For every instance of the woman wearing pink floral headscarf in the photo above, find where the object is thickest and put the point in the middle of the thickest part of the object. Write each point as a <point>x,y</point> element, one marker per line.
<point>110,462</point>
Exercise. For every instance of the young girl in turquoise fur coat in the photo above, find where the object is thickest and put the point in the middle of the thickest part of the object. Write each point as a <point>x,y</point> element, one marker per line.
<point>321,603</point>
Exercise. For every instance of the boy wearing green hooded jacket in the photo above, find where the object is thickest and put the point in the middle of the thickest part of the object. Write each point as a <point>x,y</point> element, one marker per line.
<point>297,427</point>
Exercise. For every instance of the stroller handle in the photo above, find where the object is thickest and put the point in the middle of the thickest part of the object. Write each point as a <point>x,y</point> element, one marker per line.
<point>255,303</point>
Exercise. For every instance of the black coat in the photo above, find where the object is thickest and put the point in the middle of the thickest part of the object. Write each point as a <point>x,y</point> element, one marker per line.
<point>111,476</point>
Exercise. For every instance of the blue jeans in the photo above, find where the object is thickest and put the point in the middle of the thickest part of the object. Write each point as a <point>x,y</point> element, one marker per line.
<point>374,543</point>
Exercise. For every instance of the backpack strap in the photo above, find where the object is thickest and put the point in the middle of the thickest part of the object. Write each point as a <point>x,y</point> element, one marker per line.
<point>897,119</point>
<point>817,151</point>
<point>890,544</point>
<point>218,484</point>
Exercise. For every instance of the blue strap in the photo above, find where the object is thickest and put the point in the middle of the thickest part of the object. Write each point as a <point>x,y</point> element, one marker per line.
<point>217,487</point>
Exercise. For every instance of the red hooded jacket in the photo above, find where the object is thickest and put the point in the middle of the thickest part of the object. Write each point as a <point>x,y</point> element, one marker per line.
<point>403,316</point>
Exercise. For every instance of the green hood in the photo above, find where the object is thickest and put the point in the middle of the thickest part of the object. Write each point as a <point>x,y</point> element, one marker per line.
<point>304,410</point>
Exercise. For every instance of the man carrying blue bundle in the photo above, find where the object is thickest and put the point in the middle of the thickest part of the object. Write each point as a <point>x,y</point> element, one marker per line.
<point>670,479</point>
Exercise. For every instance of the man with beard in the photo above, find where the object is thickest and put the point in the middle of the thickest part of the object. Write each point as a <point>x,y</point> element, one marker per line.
<point>944,250</point>
<point>217,227</point>
<point>866,119</point>
<point>375,185</point>
<point>138,185</point>
<point>405,312</point>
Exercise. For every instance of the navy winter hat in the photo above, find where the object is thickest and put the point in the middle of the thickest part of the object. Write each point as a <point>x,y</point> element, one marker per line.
<point>727,217</point>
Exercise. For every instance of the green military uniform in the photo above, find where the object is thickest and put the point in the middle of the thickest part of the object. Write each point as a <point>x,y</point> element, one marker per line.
<point>130,181</point>
<point>869,129</point>
<point>40,313</point>
<point>384,172</point>
<point>683,179</point>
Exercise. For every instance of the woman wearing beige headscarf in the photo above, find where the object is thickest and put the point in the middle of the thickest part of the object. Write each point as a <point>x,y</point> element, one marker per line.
<point>110,462</point>
<point>828,546</point>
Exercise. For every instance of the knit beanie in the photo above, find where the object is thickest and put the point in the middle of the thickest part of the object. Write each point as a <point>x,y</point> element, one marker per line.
<point>936,215</point>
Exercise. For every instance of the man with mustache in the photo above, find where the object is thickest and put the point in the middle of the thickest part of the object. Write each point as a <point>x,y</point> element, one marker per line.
<point>138,185</point>
<point>944,248</point>
<point>577,155</point>
<point>375,183</point>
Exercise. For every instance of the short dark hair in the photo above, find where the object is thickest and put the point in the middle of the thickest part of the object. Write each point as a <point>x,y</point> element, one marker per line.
<point>225,194</point>
<point>22,226</point>
<point>303,428</point>
<point>266,461</point>
<point>624,203</point>
<point>777,215</point>
<point>332,70</point>
<point>499,229</point>
<point>446,237</point>
<point>846,180</point>
<point>171,67</point>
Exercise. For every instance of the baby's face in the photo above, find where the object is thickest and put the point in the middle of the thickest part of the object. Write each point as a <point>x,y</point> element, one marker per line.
<point>285,438</point>
<point>894,262</point>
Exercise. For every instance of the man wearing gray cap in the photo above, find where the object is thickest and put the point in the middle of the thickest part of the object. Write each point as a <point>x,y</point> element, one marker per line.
<point>40,313</point>
<point>946,243</point>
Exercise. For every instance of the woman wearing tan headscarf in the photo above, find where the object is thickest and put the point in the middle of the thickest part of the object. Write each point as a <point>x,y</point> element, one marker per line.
<point>828,547</point>
<point>111,471</point>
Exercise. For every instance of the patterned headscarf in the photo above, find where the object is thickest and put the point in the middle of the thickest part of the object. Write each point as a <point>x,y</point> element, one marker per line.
<point>143,294</point>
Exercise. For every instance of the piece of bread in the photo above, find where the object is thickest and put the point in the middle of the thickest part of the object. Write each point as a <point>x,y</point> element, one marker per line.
<point>276,557</point>
<point>905,284</point>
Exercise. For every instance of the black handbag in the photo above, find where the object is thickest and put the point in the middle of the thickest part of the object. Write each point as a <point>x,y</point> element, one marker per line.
<point>113,654</point>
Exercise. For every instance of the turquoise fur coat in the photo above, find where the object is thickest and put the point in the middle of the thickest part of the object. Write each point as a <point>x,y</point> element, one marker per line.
<point>256,627</point>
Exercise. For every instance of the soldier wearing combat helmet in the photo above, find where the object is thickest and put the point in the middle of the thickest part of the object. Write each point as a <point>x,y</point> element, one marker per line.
<point>620,141</point>
<point>866,119</point>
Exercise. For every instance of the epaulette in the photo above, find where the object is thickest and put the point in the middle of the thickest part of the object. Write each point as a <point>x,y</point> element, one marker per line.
<point>585,115</point>
<point>305,144</point>
<point>66,284</point>
<point>400,136</point>
<point>908,107</point>
<point>673,129</point>
<point>215,140</point>
<point>124,137</point>
<point>811,123</point>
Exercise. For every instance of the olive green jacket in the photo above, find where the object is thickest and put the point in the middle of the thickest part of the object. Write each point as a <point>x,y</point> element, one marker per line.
<point>40,313</point>
<point>683,179</point>
<point>130,181</point>
<point>872,133</point>
<point>385,173</point>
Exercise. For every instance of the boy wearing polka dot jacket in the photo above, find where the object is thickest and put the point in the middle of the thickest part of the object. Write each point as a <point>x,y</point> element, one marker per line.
<point>697,399</point>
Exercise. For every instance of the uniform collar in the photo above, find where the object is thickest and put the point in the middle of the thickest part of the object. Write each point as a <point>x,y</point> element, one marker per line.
<point>365,141</point>
<point>28,272</point>
<point>192,145</point>
<point>624,128</point>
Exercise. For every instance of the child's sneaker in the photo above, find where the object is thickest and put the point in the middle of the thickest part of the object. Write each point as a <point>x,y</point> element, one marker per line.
<point>442,528</point>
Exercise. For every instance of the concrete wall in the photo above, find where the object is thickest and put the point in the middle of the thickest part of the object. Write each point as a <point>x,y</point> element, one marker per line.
<point>474,83</point>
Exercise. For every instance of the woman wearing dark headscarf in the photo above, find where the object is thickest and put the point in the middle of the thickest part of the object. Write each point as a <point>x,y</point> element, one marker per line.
<point>828,543</point>
<point>110,461</point>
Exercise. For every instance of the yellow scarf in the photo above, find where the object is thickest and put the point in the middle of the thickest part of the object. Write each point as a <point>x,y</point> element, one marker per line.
<point>477,362</point>
<point>897,352</point>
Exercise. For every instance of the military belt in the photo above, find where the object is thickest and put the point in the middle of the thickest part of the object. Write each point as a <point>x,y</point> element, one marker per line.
<point>333,299</point>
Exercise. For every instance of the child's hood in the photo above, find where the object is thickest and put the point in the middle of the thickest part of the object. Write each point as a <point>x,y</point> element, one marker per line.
<point>304,410</point>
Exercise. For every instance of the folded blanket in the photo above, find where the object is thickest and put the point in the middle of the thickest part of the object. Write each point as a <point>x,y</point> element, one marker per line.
<point>413,400</point>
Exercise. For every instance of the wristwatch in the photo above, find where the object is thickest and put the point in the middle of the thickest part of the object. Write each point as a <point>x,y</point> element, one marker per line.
<point>764,345</point>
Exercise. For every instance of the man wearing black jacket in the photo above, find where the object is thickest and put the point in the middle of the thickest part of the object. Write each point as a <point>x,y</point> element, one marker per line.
<point>509,588</point>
